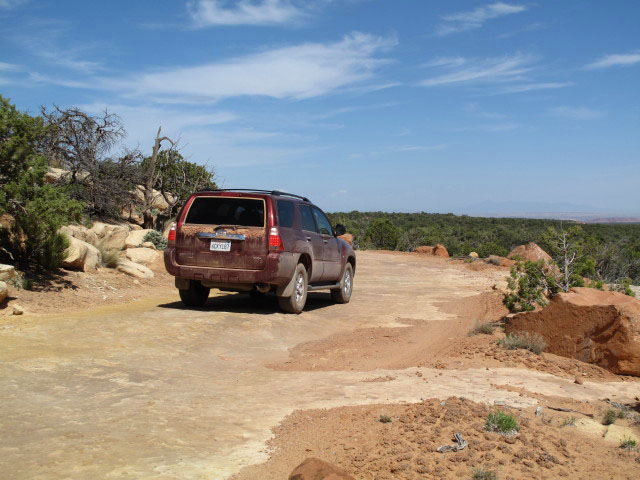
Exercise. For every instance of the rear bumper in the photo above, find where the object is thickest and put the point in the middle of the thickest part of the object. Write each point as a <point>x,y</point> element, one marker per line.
<point>279,268</point>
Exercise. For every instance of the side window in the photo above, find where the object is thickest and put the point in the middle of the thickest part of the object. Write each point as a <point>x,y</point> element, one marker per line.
<point>324,226</point>
<point>285,213</point>
<point>306,219</point>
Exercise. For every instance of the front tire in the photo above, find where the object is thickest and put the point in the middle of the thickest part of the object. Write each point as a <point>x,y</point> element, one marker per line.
<point>295,303</point>
<point>195,296</point>
<point>343,294</point>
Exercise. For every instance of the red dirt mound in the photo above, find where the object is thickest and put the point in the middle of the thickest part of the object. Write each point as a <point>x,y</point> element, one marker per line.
<point>591,326</point>
<point>530,252</point>
<point>316,469</point>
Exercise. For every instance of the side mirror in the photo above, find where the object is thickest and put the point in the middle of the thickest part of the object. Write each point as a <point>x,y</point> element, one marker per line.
<point>340,230</point>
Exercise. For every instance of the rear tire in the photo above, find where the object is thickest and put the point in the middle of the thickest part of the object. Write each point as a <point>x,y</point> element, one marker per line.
<point>343,294</point>
<point>196,296</point>
<point>295,303</point>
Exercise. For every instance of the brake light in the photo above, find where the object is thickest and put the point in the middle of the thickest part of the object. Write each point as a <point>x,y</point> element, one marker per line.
<point>275,240</point>
<point>172,233</point>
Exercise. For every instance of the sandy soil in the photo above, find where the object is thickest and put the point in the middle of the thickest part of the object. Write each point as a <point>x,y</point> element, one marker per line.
<point>135,386</point>
<point>69,290</point>
<point>353,438</point>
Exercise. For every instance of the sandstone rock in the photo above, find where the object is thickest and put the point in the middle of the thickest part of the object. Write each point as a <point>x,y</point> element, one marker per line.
<point>81,255</point>
<point>158,202</point>
<point>143,255</point>
<point>530,252</point>
<point>316,469</point>
<point>18,310</point>
<point>7,271</point>
<point>440,250</point>
<point>148,245</point>
<point>590,325</point>
<point>112,237</point>
<point>424,250</point>
<point>4,291</point>
<point>473,255</point>
<point>80,232</point>
<point>135,238</point>
<point>347,237</point>
<point>134,269</point>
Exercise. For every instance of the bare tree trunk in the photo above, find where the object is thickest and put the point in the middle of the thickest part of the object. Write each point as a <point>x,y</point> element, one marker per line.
<point>148,187</point>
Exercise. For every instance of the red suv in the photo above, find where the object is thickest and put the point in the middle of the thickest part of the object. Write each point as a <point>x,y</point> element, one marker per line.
<point>243,240</point>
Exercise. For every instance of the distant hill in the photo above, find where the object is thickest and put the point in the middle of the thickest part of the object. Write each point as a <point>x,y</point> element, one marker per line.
<point>548,210</point>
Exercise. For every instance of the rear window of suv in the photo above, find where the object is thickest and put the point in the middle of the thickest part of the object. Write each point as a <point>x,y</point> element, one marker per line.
<point>245,212</point>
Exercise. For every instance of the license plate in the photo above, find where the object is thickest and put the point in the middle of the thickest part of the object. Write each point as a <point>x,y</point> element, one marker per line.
<point>220,246</point>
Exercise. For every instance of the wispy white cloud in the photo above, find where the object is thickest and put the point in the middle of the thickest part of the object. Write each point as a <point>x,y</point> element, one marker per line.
<point>501,69</point>
<point>576,113</point>
<point>417,148</point>
<point>527,87</point>
<point>508,74</point>
<point>495,127</point>
<point>616,60</point>
<point>294,72</point>
<point>50,40</point>
<point>471,19</point>
<point>244,12</point>
<point>9,67</point>
<point>8,4</point>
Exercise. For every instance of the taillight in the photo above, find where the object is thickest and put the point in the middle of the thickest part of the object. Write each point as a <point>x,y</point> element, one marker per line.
<point>275,240</point>
<point>172,233</point>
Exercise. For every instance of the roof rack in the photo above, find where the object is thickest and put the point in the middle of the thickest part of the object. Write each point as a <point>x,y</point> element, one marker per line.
<point>270,192</point>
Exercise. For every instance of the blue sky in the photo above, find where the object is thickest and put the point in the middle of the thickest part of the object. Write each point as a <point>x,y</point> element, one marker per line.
<point>405,105</point>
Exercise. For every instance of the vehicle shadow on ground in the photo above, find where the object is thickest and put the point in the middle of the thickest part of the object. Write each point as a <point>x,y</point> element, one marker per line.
<point>244,303</point>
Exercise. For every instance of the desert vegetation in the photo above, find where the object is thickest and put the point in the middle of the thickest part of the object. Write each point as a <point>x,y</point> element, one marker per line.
<point>608,253</point>
<point>66,166</point>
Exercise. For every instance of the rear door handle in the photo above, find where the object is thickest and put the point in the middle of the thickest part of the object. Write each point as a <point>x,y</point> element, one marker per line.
<point>325,241</point>
<point>308,239</point>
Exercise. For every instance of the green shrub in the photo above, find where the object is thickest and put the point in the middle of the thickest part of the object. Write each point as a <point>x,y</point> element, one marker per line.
<point>37,209</point>
<point>486,328</point>
<point>528,286</point>
<point>157,239</point>
<point>524,340</point>
<point>383,234</point>
<point>624,286</point>
<point>569,422</point>
<point>501,422</point>
<point>481,474</point>
<point>110,257</point>
<point>628,443</point>
<point>385,419</point>
<point>609,417</point>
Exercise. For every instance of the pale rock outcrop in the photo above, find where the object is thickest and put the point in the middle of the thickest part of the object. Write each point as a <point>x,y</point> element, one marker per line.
<point>316,469</point>
<point>136,237</point>
<point>80,232</point>
<point>111,237</point>
<point>590,325</point>
<point>143,255</point>
<point>473,255</point>
<point>4,291</point>
<point>424,250</point>
<point>81,256</point>
<point>148,245</point>
<point>134,269</point>
<point>7,271</point>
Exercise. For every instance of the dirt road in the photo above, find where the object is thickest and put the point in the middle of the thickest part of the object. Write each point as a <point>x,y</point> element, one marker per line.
<point>150,390</point>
